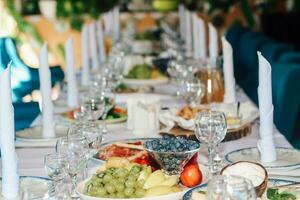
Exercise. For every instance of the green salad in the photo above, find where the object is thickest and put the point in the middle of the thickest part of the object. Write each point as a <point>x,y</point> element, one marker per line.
<point>142,71</point>
<point>275,194</point>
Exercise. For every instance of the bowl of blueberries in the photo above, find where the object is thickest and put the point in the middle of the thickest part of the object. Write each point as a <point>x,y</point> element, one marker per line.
<point>172,153</point>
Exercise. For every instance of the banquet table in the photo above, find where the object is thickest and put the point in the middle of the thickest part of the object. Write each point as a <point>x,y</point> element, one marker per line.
<point>30,157</point>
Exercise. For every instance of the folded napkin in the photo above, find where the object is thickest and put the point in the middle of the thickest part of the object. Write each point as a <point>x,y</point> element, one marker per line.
<point>266,143</point>
<point>202,50</point>
<point>213,41</point>
<point>229,81</point>
<point>71,74</point>
<point>93,46</point>
<point>10,177</point>
<point>46,90</point>
<point>108,21</point>
<point>85,76</point>
<point>195,36</point>
<point>102,54</point>
<point>181,20</point>
<point>188,33</point>
<point>116,23</point>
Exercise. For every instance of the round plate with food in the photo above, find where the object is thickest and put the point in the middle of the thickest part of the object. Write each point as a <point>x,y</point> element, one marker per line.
<point>115,115</point>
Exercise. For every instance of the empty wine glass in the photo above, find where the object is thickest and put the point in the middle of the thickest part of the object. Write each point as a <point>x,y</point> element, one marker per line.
<point>56,169</point>
<point>230,188</point>
<point>193,90</point>
<point>210,128</point>
<point>76,148</point>
<point>93,134</point>
<point>95,105</point>
<point>34,191</point>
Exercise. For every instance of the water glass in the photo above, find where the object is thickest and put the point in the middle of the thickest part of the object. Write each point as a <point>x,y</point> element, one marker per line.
<point>210,129</point>
<point>56,169</point>
<point>35,191</point>
<point>230,188</point>
<point>193,90</point>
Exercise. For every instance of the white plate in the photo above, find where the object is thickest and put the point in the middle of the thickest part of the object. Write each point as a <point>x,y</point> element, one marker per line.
<point>173,196</point>
<point>248,113</point>
<point>146,82</point>
<point>287,158</point>
<point>26,181</point>
<point>203,187</point>
<point>35,134</point>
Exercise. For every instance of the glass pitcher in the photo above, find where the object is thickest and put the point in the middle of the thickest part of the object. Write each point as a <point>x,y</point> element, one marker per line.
<point>211,77</point>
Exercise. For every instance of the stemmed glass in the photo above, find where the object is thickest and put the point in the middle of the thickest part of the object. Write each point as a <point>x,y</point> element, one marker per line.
<point>210,128</point>
<point>56,169</point>
<point>94,105</point>
<point>75,146</point>
<point>230,188</point>
<point>193,90</point>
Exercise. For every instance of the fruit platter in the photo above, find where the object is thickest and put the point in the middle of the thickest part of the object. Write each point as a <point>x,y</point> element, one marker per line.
<point>171,168</point>
<point>144,74</point>
<point>115,114</point>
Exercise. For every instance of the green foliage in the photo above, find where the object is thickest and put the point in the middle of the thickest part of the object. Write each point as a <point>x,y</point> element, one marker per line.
<point>76,10</point>
<point>274,194</point>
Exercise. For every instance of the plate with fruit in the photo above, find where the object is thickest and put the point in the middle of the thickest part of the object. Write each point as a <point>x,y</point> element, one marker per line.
<point>173,171</point>
<point>145,75</point>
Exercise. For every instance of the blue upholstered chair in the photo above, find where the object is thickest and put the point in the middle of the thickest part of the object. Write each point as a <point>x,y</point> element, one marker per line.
<point>25,113</point>
<point>288,57</point>
<point>273,51</point>
<point>286,96</point>
<point>24,78</point>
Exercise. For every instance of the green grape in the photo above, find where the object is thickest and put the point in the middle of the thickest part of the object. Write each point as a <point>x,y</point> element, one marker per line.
<point>121,180</point>
<point>114,181</point>
<point>140,183</point>
<point>121,173</point>
<point>120,195</point>
<point>135,169</point>
<point>120,187</point>
<point>128,191</point>
<point>112,195</point>
<point>131,178</point>
<point>130,183</point>
<point>110,188</point>
<point>140,192</point>
<point>107,178</point>
<point>101,192</point>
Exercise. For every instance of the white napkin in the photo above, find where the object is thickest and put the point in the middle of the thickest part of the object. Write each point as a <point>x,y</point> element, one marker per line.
<point>266,143</point>
<point>195,36</point>
<point>182,21</point>
<point>116,23</point>
<point>93,46</point>
<point>46,90</point>
<point>202,39</point>
<point>108,21</point>
<point>101,45</point>
<point>10,177</point>
<point>213,41</point>
<point>229,81</point>
<point>71,74</point>
<point>85,76</point>
<point>188,33</point>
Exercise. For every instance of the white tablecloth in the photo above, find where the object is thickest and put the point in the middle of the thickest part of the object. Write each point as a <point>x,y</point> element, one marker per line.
<point>30,159</point>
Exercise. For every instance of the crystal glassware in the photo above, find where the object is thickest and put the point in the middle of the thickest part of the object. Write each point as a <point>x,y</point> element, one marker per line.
<point>56,169</point>
<point>192,90</point>
<point>210,129</point>
<point>230,188</point>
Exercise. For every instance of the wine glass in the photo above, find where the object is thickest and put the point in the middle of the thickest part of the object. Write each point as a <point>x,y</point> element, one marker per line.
<point>176,69</point>
<point>76,148</point>
<point>193,90</point>
<point>210,128</point>
<point>93,135</point>
<point>56,169</point>
<point>230,188</point>
<point>94,105</point>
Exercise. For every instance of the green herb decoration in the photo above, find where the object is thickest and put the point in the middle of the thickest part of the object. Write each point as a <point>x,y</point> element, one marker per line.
<point>274,194</point>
